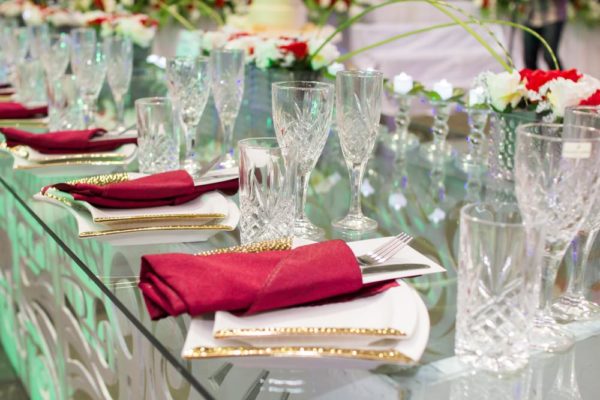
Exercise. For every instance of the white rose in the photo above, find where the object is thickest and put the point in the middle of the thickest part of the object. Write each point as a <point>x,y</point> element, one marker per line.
<point>334,68</point>
<point>476,96</point>
<point>403,83</point>
<point>246,43</point>
<point>325,57</point>
<point>11,8</point>
<point>266,52</point>
<point>444,89</point>
<point>213,40</point>
<point>134,28</point>
<point>562,93</point>
<point>32,14</point>
<point>504,88</point>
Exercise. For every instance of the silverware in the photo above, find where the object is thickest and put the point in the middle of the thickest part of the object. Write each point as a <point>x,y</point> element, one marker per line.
<point>127,129</point>
<point>385,251</point>
<point>378,269</point>
<point>210,165</point>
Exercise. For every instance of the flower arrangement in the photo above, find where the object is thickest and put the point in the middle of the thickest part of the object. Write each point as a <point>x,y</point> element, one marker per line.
<point>320,10</point>
<point>547,93</point>
<point>264,51</point>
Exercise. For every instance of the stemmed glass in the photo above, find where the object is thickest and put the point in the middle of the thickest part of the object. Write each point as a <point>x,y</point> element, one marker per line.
<point>227,74</point>
<point>39,38</point>
<point>55,55</point>
<point>119,60</point>
<point>358,99</point>
<point>15,47</point>
<point>573,305</point>
<point>557,174</point>
<point>88,62</point>
<point>189,88</point>
<point>302,114</point>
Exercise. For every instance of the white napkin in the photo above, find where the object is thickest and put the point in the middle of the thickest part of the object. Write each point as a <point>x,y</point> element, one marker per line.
<point>388,315</point>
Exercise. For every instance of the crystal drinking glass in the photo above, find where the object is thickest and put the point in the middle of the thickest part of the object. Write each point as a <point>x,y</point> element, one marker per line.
<point>496,286</point>
<point>189,88</point>
<point>557,174</point>
<point>119,66</point>
<point>15,47</point>
<point>55,55</point>
<point>358,111</point>
<point>227,74</point>
<point>158,141</point>
<point>267,185</point>
<point>302,113</point>
<point>88,62</point>
<point>573,305</point>
<point>39,38</point>
<point>64,104</point>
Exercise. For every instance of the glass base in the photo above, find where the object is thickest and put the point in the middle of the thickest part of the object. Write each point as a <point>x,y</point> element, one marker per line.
<point>305,229</point>
<point>227,161</point>
<point>547,335</point>
<point>191,166</point>
<point>356,223</point>
<point>467,164</point>
<point>569,308</point>
<point>429,152</point>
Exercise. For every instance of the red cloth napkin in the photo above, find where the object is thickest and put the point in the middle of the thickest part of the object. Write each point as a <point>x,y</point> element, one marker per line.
<point>164,189</point>
<point>173,284</point>
<point>19,111</point>
<point>63,142</point>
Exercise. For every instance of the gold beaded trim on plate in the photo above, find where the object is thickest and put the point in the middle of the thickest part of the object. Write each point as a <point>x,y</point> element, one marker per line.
<point>297,351</point>
<point>156,217</point>
<point>157,228</point>
<point>303,331</point>
<point>267,245</point>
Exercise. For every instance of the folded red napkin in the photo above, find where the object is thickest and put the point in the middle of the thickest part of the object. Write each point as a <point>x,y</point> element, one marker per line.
<point>19,111</point>
<point>173,284</point>
<point>164,189</point>
<point>63,142</point>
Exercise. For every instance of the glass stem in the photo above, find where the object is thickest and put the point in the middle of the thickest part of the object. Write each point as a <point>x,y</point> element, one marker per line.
<point>120,105</point>
<point>576,283</point>
<point>228,127</point>
<point>190,137</point>
<point>477,122</point>
<point>356,175</point>
<point>89,104</point>
<point>402,121</point>
<point>441,114</point>
<point>301,191</point>
<point>551,262</point>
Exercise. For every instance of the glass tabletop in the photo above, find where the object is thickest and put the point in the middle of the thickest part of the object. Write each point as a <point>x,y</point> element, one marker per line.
<point>97,280</point>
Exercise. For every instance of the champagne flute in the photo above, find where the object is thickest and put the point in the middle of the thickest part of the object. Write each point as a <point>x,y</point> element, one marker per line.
<point>119,60</point>
<point>358,111</point>
<point>89,66</point>
<point>55,55</point>
<point>227,74</point>
<point>189,87</point>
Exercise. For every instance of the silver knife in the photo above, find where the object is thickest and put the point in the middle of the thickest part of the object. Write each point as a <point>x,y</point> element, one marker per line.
<point>378,269</point>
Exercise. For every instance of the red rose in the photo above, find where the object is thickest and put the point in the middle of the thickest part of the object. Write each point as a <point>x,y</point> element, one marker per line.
<point>219,3</point>
<point>535,79</point>
<point>97,21</point>
<point>299,49</point>
<point>593,100</point>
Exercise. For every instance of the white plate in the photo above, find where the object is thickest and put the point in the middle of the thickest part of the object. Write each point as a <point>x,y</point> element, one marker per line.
<point>147,235</point>
<point>200,344</point>
<point>407,255</point>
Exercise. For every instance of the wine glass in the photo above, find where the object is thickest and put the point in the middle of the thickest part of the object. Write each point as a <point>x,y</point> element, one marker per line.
<point>557,173</point>
<point>227,74</point>
<point>119,66</point>
<point>358,99</point>
<point>573,305</point>
<point>189,87</point>
<point>39,39</point>
<point>15,47</point>
<point>88,62</point>
<point>302,117</point>
<point>55,55</point>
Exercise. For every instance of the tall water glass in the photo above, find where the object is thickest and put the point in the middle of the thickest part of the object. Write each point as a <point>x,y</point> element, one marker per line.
<point>31,82</point>
<point>39,38</point>
<point>55,55</point>
<point>15,48</point>
<point>358,98</point>
<point>557,173</point>
<point>496,286</point>
<point>119,66</point>
<point>189,88</point>
<point>158,141</point>
<point>89,66</point>
<point>227,75</point>
<point>573,305</point>
<point>302,117</point>
<point>267,184</point>
<point>65,109</point>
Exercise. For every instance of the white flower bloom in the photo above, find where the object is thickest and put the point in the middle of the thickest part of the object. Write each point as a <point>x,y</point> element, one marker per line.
<point>562,93</point>
<point>444,89</point>
<point>476,96</point>
<point>334,68</point>
<point>325,57</point>
<point>135,28</point>
<point>32,14</point>
<point>504,88</point>
<point>11,8</point>
<point>213,40</point>
<point>127,3</point>
<point>65,18</point>
<point>246,43</point>
<point>266,52</point>
<point>403,83</point>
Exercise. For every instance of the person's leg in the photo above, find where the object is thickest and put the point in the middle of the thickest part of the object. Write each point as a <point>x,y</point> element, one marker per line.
<point>531,47</point>
<point>552,33</point>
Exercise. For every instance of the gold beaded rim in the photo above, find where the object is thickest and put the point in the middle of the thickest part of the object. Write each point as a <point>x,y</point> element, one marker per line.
<point>307,331</point>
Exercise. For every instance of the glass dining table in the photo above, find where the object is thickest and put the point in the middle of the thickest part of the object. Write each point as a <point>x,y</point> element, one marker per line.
<point>74,326</point>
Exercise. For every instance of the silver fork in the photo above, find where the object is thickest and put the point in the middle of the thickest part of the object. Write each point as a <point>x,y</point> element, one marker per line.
<point>385,251</point>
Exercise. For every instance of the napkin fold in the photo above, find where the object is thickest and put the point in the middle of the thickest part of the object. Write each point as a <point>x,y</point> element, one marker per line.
<point>19,111</point>
<point>250,283</point>
<point>163,189</point>
<point>64,142</point>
